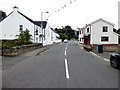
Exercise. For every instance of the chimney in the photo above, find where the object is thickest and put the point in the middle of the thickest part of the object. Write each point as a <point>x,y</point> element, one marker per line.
<point>15,8</point>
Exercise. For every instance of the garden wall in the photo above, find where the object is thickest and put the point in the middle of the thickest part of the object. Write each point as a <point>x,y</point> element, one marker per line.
<point>108,48</point>
<point>14,51</point>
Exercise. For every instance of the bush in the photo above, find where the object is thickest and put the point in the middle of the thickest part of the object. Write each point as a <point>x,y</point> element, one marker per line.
<point>7,44</point>
<point>88,48</point>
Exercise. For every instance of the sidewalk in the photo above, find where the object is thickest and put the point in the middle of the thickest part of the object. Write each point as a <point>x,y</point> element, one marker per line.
<point>105,55</point>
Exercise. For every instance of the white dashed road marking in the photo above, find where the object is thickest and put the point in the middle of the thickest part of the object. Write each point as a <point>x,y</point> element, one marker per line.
<point>65,53</point>
<point>66,69</point>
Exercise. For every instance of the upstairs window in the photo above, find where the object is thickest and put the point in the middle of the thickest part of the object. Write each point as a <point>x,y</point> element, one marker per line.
<point>87,30</point>
<point>36,32</point>
<point>105,29</point>
<point>80,32</point>
<point>20,27</point>
<point>104,39</point>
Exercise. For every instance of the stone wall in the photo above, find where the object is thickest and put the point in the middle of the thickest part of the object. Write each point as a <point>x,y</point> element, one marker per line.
<point>108,48</point>
<point>111,48</point>
<point>14,51</point>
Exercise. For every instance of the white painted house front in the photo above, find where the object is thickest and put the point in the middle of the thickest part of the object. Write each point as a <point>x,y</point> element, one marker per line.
<point>16,21</point>
<point>98,32</point>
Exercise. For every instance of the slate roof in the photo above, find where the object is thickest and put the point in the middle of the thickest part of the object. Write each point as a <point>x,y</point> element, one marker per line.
<point>44,23</point>
<point>26,17</point>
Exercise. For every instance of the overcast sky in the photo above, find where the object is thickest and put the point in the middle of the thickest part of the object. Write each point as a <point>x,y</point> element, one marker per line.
<point>76,14</point>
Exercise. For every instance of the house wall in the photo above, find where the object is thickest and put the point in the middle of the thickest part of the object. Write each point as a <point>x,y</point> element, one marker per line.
<point>81,36</point>
<point>10,26</point>
<point>119,15</point>
<point>0,31</point>
<point>96,33</point>
<point>47,40</point>
<point>38,39</point>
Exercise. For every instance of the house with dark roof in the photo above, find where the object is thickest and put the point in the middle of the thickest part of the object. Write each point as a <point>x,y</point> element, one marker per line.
<point>16,21</point>
<point>98,32</point>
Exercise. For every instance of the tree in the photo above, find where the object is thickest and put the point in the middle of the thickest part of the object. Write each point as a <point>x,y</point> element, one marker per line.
<point>66,30</point>
<point>2,15</point>
<point>118,31</point>
<point>63,36</point>
<point>24,37</point>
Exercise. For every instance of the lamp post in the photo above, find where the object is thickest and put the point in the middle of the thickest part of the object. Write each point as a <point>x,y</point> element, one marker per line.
<point>42,24</point>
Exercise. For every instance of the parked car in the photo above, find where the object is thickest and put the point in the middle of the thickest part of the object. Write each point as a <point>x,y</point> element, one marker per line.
<point>65,41</point>
<point>115,60</point>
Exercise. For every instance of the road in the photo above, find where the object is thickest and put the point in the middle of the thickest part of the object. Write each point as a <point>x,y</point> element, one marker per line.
<point>65,65</point>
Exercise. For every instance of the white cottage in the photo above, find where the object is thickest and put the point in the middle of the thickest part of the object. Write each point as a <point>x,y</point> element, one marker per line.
<point>16,21</point>
<point>98,32</point>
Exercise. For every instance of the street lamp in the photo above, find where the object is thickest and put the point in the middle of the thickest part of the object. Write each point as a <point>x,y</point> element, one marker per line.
<point>42,24</point>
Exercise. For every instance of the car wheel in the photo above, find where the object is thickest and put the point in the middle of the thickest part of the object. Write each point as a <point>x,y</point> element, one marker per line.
<point>114,63</point>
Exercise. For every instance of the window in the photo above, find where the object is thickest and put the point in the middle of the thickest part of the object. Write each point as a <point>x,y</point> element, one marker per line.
<point>44,34</point>
<point>80,39</point>
<point>105,29</point>
<point>20,27</point>
<point>87,30</point>
<point>80,32</point>
<point>104,39</point>
<point>36,32</point>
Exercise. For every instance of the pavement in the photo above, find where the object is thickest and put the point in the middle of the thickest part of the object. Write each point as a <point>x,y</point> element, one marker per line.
<point>38,51</point>
<point>66,65</point>
<point>104,55</point>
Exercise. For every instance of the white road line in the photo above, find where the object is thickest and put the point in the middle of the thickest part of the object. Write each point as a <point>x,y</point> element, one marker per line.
<point>65,53</point>
<point>82,48</point>
<point>100,57</point>
<point>66,69</point>
<point>65,48</point>
<point>106,59</point>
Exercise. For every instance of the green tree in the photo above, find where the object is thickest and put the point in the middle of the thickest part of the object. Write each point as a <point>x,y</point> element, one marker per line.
<point>24,37</point>
<point>118,31</point>
<point>63,36</point>
<point>66,30</point>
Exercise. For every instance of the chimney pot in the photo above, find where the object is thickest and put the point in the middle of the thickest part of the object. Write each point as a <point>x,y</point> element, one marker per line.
<point>15,8</point>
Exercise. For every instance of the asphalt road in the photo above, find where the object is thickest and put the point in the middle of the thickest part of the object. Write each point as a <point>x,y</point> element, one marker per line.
<point>65,65</point>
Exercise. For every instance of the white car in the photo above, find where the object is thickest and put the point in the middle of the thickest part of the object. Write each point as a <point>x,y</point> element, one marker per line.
<point>65,41</point>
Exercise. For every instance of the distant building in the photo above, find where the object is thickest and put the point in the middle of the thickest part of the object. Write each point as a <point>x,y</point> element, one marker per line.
<point>16,21</point>
<point>98,32</point>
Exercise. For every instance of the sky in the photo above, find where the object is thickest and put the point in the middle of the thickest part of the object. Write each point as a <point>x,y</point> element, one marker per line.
<point>75,13</point>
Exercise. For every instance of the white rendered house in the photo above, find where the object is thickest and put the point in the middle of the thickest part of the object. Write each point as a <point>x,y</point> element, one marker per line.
<point>16,21</point>
<point>98,32</point>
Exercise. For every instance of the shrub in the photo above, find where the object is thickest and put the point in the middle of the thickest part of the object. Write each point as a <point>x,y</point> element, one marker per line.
<point>88,48</point>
